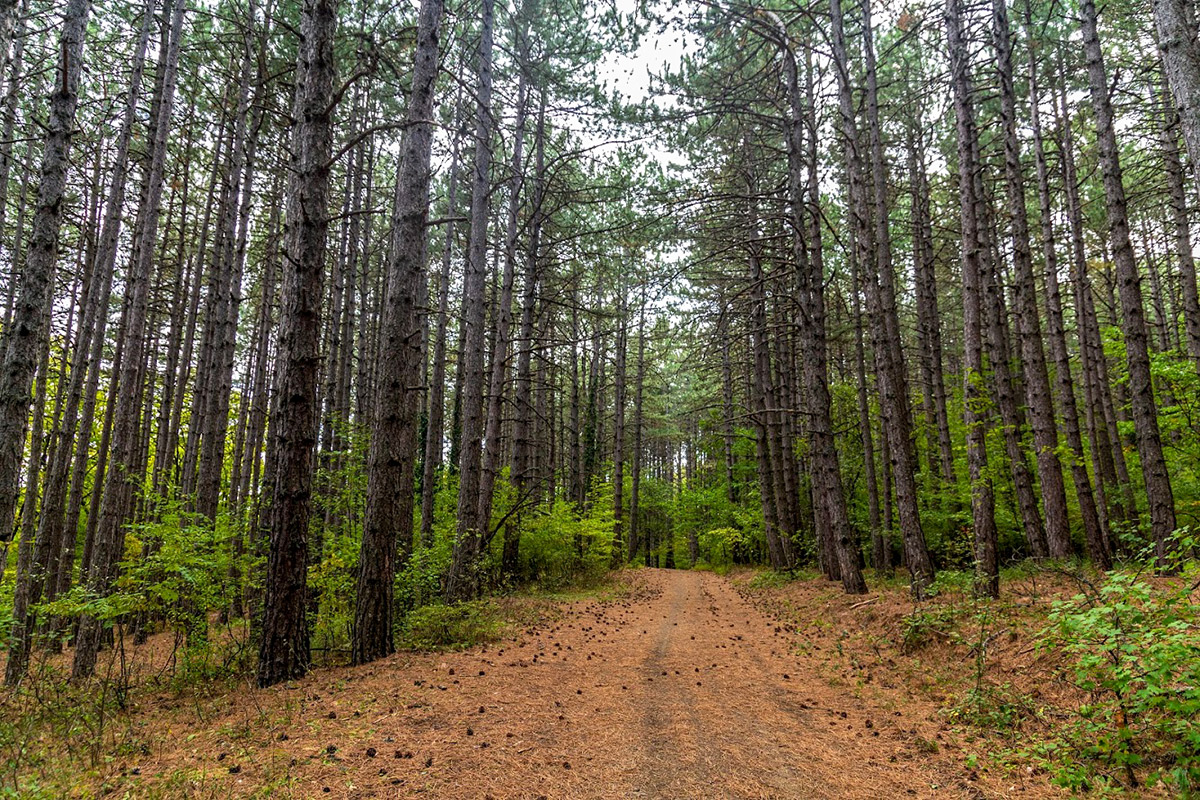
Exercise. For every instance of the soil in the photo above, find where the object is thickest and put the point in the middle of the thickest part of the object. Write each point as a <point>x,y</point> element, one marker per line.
<point>679,688</point>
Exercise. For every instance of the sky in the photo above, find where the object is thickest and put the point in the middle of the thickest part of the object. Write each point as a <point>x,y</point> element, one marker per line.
<point>630,73</point>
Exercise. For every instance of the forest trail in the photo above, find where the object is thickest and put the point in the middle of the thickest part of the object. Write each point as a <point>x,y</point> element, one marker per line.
<point>699,696</point>
<point>715,707</point>
<point>678,689</point>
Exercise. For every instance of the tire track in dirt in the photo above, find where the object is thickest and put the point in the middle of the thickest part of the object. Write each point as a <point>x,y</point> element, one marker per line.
<point>723,711</point>
<point>671,727</point>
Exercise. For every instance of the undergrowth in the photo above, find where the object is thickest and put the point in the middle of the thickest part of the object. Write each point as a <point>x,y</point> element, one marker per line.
<point>1131,647</point>
<point>1092,679</point>
<point>454,627</point>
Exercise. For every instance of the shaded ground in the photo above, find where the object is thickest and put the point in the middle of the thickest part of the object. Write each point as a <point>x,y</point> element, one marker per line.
<point>678,689</point>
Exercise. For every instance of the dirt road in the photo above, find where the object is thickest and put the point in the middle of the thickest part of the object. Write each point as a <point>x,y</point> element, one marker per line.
<point>682,690</point>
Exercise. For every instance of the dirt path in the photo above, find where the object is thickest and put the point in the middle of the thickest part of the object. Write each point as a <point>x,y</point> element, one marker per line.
<point>699,698</point>
<point>683,690</point>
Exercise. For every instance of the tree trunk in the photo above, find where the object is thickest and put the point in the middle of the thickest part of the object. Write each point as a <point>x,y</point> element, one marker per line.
<point>227,279</point>
<point>618,551</point>
<point>929,332</point>
<point>575,453</point>
<point>284,650</point>
<point>17,87</point>
<point>1181,63</point>
<point>30,574</point>
<point>1145,414</point>
<point>463,579</point>
<point>8,19</point>
<point>875,256</point>
<point>435,433</point>
<point>24,338</point>
<point>1037,378</point>
<point>1105,449</point>
<point>393,437</point>
<point>1182,231</point>
<point>974,397</point>
<point>1003,386</point>
<point>1094,524</point>
<point>501,351</point>
<point>522,444</point>
<point>881,549</point>
<point>824,465</point>
<point>123,477</point>
<point>55,529</point>
<point>763,414</point>
<point>636,537</point>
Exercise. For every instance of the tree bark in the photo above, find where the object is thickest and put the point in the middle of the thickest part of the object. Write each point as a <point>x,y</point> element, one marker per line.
<point>763,412</point>
<point>17,87</point>
<point>636,537</point>
<point>875,256</point>
<point>1181,225</point>
<point>435,433</point>
<point>1094,525</point>
<point>1037,378</point>
<point>1003,383</point>
<point>974,398</point>
<point>24,338</point>
<point>30,574</point>
<point>123,477</point>
<point>824,465</point>
<point>618,545</point>
<point>392,457</point>
<point>227,278</point>
<point>501,350</point>
<point>929,332</point>
<point>284,650</point>
<point>463,580</point>
<point>54,532</point>
<point>523,471</point>
<point>1141,388</point>
<point>1181,62</point>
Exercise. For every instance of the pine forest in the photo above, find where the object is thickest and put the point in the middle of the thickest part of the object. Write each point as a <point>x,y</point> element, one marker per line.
<point>629,398</point>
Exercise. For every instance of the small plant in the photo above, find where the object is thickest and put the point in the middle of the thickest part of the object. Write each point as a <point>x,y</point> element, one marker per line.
<point>439,627</point>
<point>995,708</point>
<point>769,580</point>
<point>717,545</point>
<point>952,582</point>
<point>1135,649</point>
<point>924,745</point>
<point>925,623</point>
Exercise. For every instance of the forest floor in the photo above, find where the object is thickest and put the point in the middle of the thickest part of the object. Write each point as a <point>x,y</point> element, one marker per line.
<point>674,685</point>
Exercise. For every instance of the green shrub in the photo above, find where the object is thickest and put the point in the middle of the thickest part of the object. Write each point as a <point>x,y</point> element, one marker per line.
<point>451,627</point>
<point>559,546</point>
<point>921,626</point>
<point>1135,653</point>
<point>953,582</point>
<point>717,545</point>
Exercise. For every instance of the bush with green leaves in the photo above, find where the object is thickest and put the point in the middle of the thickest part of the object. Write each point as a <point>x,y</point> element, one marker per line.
<point>440,627</point>
<point>718,545</point>
<point>1134,650</point>
<point>176,572</point>
<point>336,537</point>
<point>560,544</point>
<point>419,582</point>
